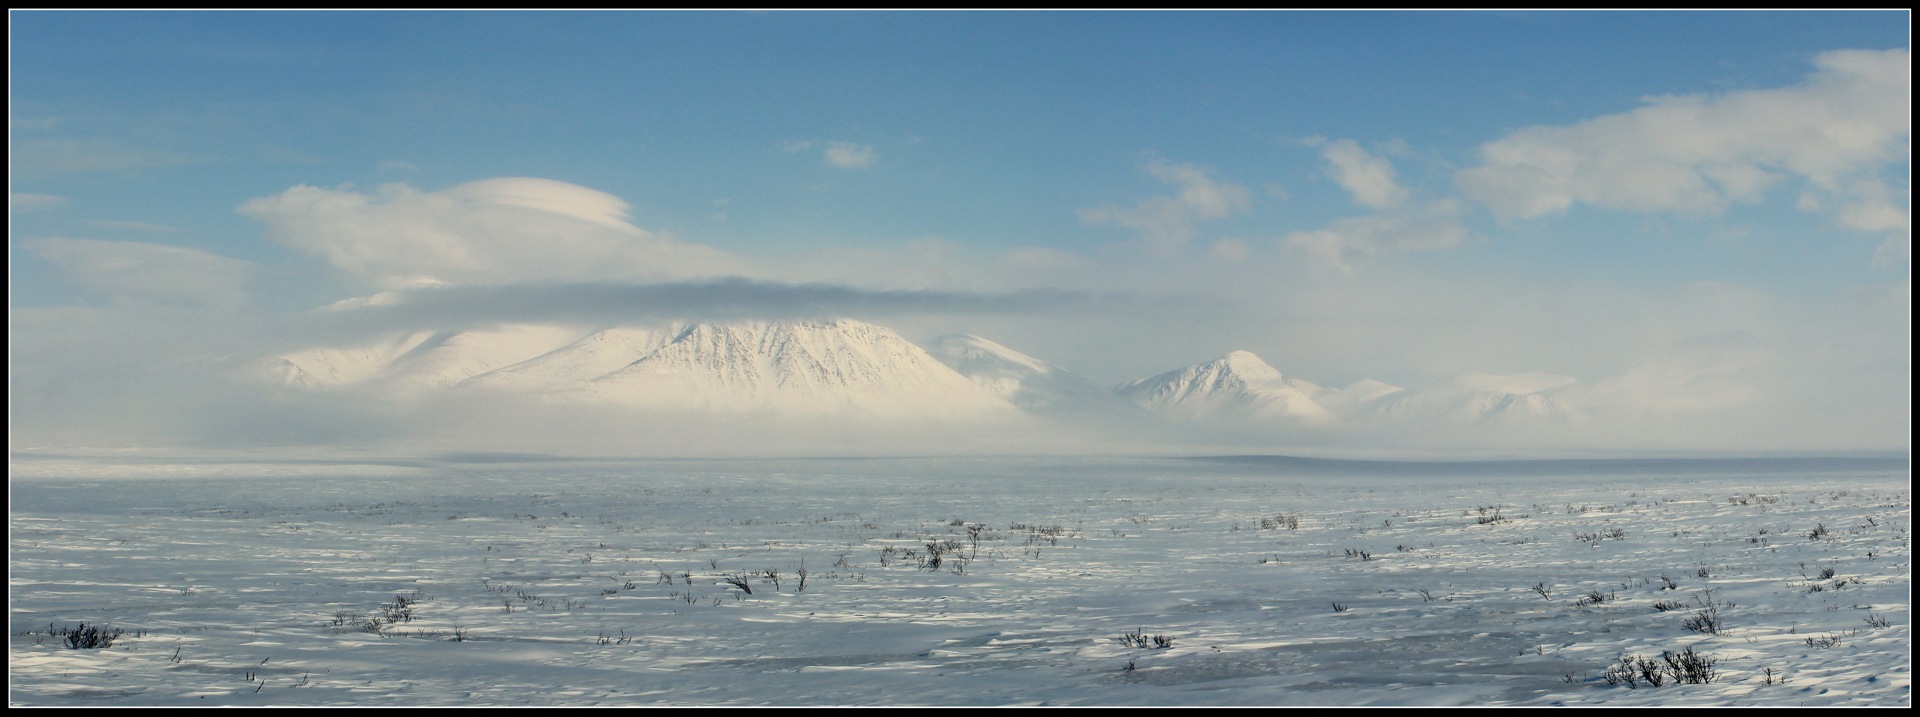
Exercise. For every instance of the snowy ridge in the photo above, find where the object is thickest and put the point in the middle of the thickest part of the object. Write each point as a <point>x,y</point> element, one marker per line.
<point>1349,401</point>
<point>1027,382</point>
<point>847,368</point>
<point>598,354</point>
<point>801,367</point>
<point>451,359</point>
<point>1517,399</point>
<point>1237,385</point>
<point>420,361</point>
<point>835,367</point>
<point>329,368</point>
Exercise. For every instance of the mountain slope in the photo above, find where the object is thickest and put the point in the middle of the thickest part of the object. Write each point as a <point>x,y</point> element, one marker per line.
<point>1355,399</point>
<point>841,368</point>
<point>333,368</point>
<point>1482,399</point>
<point>418,361</point>
<point>829,367</point>
<point>1027,382</point>
<point>595,355</point>
<point>1237,385</point>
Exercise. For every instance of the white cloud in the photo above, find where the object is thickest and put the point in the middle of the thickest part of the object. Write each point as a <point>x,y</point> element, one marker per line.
<point>1700,153</point>
<point>492,231</point>
<point>1872,206</point>
<point>1345,243</point>
<point>148,272</point>
<point>1207,198</point>
<point>847,155</point>
<point>1876,208</point>
<point>22,202</point>
<point>1368,178</point>
<point>1168,223</point>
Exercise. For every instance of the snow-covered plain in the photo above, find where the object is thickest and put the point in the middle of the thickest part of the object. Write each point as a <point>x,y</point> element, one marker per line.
<point>486,580</point>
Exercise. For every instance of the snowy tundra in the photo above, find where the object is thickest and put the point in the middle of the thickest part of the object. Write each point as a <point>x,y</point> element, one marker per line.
<point>491,580</point>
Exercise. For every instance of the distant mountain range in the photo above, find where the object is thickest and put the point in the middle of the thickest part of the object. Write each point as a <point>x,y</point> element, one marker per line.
<point>843,367</point>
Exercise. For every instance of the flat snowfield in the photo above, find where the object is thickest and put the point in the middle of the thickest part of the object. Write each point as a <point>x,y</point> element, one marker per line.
<point>961,582</point>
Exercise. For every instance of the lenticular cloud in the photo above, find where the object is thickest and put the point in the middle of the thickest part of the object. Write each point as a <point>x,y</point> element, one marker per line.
<point>492,231</point>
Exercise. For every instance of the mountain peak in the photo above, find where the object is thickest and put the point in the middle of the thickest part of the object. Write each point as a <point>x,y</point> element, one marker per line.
<point>1237,384</point>
<point>1250,366</point>
<point>812,366</point>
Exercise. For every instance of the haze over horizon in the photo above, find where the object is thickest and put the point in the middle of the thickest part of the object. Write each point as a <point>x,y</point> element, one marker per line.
<point>1669,233</point>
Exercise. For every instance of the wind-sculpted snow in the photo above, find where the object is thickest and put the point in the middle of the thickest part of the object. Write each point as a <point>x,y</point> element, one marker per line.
<point>488,580</point>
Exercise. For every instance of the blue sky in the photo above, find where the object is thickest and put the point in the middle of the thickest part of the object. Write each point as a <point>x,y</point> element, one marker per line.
<point>1343,193</point>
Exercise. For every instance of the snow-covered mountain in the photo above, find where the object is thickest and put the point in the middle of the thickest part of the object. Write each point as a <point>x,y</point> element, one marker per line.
<point>595,355</point>
<point>1027,382</point>
<point>1355,398</point>
<point>418,361</point>
<point>1239,387</point>
<point>847,368</point>
<point>337,367</point>
<point>1481,399</point>
<point>826,367</point>
<point>1236,386</point>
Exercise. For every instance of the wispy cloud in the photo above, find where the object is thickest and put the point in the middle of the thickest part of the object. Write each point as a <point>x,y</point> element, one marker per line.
<point>134,226</point>
<point>1398,225</point>
<point>1700,153</point>
<point>137,271</point>
<point>21,202</point>
<point>1873,206</point>
<point>29,124</point>
<point>59,157</point>
<point>613,303</point>
<point>1369,178</point>
<point>492,231</point>
<point>847,155</point>
<point>1166,223</point>
<point>1346,243</point>
<point>836,153</point>
<point>1895,253</point>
